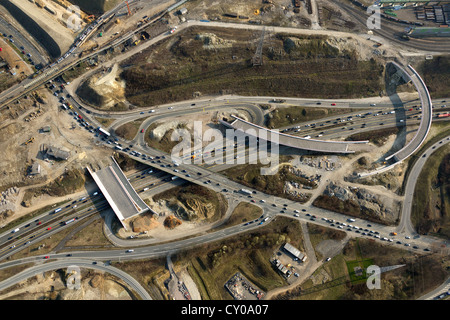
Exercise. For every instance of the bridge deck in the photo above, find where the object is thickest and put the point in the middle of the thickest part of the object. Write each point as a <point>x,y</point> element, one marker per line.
<point>294,141</point>
<point>119,193</point>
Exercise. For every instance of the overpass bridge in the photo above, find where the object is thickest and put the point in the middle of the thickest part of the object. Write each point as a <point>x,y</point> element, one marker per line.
<point>119,193</point>
<point>427,114</point>
<point>326,146</point>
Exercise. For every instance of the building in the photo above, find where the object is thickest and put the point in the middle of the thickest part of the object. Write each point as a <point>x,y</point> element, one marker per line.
<point>57,153</point>
<point>35,169</point>
<point>294,252</point>
<point>282,268</point>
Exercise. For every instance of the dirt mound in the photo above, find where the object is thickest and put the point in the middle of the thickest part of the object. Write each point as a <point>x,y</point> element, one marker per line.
<point>144,223</point>
<point>171,222</point>
<point>211,41</point>
<point>103,91</point>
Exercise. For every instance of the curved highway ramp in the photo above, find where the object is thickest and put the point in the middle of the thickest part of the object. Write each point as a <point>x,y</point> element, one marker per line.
<point>274,136</point>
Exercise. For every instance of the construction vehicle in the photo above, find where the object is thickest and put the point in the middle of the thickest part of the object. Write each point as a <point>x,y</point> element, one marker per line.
<point>90,18</point>
<point>128,6</point>
<point>29,141</point>
<point>394,233</point>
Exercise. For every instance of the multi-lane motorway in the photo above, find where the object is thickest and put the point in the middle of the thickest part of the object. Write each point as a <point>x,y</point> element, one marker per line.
<point>50,222</point>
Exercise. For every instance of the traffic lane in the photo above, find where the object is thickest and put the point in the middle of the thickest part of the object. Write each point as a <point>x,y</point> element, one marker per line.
<point>21,41</point>
<point>82,263</point>
<point>47,230</point>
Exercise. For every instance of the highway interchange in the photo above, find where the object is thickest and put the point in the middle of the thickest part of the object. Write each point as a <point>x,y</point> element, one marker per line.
<point>368,118</point>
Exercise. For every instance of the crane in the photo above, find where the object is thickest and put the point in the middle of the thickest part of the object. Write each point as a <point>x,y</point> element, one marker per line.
<point>128,6</point>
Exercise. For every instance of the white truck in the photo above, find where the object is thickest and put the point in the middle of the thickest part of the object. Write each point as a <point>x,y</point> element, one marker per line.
<point>245,191</point>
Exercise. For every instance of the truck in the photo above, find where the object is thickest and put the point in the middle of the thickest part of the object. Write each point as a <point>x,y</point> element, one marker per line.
<point>57,210</point>
<point>69,221</point>
<point>245,191</point>
<point>103,131</point>
<point>118,147</point>
<point>278,100</point>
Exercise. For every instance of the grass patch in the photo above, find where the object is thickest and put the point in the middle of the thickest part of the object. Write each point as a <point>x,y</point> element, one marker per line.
<point>105,122</point>
<point>129,130</point>
<point>444,131</point>
<point>243,212</point>
<point>91,235</point>
<point>430,209</point>
<point>250,176</point>
<point>377,137</point>
<point>435,74</point>
<point>183,65</point>
<point>348,207</point>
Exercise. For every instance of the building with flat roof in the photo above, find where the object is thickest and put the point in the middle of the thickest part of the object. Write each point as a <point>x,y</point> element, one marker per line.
<point>35,169</point>
<point>294,252</point>
<point>57,153</point>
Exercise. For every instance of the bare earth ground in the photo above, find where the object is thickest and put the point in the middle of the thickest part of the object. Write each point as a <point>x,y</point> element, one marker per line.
<point>53,25</point>
<point>14,60</point>
<point>78,141</point>
<point>97,286</point>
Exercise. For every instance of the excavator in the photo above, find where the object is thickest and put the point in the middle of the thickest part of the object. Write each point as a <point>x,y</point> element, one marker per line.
<point>29,141</point>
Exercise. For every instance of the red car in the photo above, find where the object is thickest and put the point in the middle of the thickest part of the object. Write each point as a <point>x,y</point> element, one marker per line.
<point>46,257</point>
<point>49,228</point>
<point>39,223</point>
<point>142,131</point>
<point>333,104</point>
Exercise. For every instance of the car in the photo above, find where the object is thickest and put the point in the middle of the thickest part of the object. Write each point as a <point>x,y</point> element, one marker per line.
<point>129,250</point>
<point>142,131</point>
<point>39,223</point>
<point>296,215</point>
<point>46,257</point>
<point>49,228</point>
<point>327,259</point>
<point>333,104</point>
<point>68,255</point>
